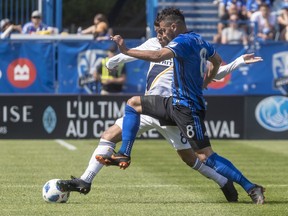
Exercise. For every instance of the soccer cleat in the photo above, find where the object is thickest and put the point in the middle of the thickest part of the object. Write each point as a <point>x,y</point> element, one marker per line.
<point>114,160</point>
<point>75,184</point>
<point>230,192</point>
<point>257,194</point>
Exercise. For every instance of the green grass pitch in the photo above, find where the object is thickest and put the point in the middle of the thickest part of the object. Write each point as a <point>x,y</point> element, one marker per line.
<point>156,183</point>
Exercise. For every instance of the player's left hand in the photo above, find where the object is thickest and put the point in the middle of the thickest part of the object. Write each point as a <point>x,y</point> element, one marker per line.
<point>120,43</point>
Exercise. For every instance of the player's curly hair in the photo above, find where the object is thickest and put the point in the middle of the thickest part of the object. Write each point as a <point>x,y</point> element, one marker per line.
<point>170,15</point>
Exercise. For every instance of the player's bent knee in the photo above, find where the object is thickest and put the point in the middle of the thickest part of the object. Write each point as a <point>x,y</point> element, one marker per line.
<point>134,102</point>
<point>203,154</point>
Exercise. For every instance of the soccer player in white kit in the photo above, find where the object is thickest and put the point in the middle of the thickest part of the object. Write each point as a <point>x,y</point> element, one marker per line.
<point>159,78</point>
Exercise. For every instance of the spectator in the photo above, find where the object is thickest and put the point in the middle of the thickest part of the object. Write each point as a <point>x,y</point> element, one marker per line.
<point>265,22</point>
<point>233,34</point>
<point>7,28</point>
<point>232,9</point>
<point>223,6</point>
<point>254,5</point>
<point>36,25</point>
<point>283,22</point>
<point>240,5</point>
<point>111,81</point>
<point>100,29</point>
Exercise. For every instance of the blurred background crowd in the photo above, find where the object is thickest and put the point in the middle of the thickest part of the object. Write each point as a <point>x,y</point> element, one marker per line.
<point>97,17</point>
<point>236,22</point>
<point>238,19</point>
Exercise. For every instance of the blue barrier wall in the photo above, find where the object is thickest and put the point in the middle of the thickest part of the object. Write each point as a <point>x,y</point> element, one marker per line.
<point>57,66</point>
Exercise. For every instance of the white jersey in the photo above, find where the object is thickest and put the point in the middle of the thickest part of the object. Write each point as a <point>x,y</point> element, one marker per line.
<point>159,82</point>
<point>160,74</point>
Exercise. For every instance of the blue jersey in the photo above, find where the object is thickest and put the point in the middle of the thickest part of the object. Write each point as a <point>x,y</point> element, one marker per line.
<point>191,53</point>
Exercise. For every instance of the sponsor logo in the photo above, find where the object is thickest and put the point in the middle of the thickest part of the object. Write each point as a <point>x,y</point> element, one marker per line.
<point>3,130</point>
<point>49,119</point>
<point>21,73</point>
<point>86,66</point>
<point>220,83</point>
<point>172,44</point>
<point>86,79</point>
<point>272,113</point>
<point>280,71</point>
<point>221,129</point>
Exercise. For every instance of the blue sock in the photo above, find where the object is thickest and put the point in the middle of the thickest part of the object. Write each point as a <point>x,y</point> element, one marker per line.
<point>228,170</point>
<point>131,122</point>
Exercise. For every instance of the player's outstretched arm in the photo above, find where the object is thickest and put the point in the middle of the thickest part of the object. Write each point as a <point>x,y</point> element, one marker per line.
<point>148,55</point>
<point>121,58</point>
<point>113,62</point>
<point>242,60</point>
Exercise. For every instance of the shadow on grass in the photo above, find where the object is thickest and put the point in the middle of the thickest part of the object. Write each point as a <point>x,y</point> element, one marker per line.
<point>177,202</point>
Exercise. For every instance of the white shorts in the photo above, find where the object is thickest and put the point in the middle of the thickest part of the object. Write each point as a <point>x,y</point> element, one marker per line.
<point>171,133</point>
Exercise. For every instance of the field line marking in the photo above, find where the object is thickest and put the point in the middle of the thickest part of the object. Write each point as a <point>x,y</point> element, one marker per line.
<point>148,186</point>
<point>65,144</point>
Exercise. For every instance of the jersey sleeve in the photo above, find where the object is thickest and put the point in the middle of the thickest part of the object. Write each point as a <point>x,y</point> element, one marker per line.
<point>150,44</point>
<point>120,58</point>
<point>210,49</point>
<point>227,69</point>
<point>182,46</point>
<point>178,47</point>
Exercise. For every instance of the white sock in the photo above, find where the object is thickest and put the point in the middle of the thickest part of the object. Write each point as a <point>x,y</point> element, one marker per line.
<point>104,147</point>
<point>210,173</point>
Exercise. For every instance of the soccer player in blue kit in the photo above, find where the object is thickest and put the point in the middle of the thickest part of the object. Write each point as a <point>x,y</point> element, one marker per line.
<point>186,107</point>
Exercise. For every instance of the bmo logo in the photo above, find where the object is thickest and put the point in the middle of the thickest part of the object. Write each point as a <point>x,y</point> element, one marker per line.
<point>21,73</point>
<point>220,83</point>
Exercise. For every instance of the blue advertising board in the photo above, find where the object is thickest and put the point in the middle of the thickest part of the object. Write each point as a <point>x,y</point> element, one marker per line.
<point>77,62</point>
<point>269,77</point>
<point>27,67</point>
<point>37,66</point>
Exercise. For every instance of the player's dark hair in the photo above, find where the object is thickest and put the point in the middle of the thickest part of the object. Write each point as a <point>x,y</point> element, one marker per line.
<point>156,23</point>
<point>170,15</point>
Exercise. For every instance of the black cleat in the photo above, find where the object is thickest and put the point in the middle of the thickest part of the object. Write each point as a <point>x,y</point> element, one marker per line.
<point>257,194</point>
<point>114,160</point>
<point>75,184</point>
<point>230,192</point>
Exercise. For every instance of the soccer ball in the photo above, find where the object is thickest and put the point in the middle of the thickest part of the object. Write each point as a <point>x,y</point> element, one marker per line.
<point>51,193</point>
